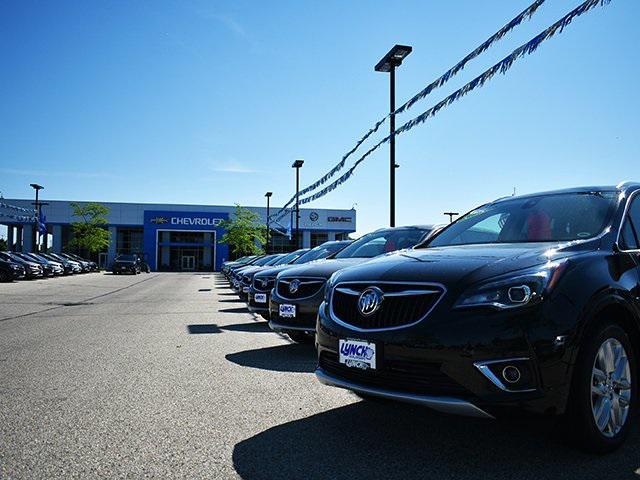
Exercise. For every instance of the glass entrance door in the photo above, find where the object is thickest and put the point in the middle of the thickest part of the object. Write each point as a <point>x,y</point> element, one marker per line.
<point>188,263</point>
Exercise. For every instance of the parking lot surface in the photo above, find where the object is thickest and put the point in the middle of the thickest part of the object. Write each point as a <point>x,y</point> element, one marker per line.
<point>169,376</point>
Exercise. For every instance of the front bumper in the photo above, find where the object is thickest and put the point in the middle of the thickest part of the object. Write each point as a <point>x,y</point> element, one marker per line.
<point>306,312</point>
<point>457,355</point>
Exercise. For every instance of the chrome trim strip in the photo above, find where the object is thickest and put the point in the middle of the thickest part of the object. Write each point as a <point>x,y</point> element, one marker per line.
<point>277,327</point>
<point>335,318</point>
<point>483,367</point>
<point>403,293</point>
<point>451,405</point>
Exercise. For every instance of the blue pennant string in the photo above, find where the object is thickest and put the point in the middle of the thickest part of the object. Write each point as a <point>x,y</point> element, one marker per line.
<point>502,67</point>
<point>525,14</point>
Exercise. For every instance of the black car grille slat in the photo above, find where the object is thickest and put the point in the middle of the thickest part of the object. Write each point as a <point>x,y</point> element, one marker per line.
<point>394,311</point>
<point>422,378</point>
<point>307,288</point>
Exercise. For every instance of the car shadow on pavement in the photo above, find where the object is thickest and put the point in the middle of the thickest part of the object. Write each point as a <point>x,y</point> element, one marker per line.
<point>199,329</point>
<point>256,327</point>
<point>283,358</point>
<point>232,300</point>
<point>235,310</point>
<point>386,440</point>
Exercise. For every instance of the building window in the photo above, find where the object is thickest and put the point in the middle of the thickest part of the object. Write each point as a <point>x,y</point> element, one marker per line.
<point>281,243</point>
<point>342,236</point>
<point>318,239</point>
<point>129,240</point>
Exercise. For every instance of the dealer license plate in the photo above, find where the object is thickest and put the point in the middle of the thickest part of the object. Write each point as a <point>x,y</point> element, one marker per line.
<point>287,311</point>
<point>260,298</point>
<point>358,354</point>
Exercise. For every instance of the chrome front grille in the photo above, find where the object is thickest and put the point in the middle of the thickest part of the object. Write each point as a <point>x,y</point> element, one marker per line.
<point>402,304</point>
<point>263,284</point>
<point>306,287</point>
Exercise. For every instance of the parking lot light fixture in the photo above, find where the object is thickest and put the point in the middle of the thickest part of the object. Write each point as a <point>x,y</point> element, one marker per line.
<point>37,188</point>
<point>451,215</point>
<point>388,64</point>
<point>297,164</point>
<point>268,195</point>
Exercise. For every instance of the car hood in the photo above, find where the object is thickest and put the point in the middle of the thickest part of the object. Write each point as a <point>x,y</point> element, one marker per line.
<point>322,268</point>
<point>464,264</point>
<point>271,272</point>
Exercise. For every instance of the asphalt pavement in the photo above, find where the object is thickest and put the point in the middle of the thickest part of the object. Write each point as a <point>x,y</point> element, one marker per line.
<point>169,376</point>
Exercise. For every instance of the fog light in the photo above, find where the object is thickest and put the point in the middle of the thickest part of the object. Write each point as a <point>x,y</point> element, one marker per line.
<point>511,374</point>
<point>521,294</point>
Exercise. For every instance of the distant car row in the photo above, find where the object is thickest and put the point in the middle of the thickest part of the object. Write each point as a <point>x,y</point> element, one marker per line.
<point>527,303</point>
<point>19,266</point>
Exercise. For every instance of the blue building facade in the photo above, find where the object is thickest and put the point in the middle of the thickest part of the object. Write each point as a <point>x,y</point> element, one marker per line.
<point>173,237</point>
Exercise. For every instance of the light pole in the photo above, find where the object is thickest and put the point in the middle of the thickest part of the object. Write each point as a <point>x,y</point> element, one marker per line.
<point>297,164</point>
<point>37,188</point>
<point>451,215</point>
<point>268,195</point>
<point>388,64</point>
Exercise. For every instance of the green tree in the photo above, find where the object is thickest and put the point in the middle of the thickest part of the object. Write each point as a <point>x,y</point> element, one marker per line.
<point>245,234</point>
<point>90,234</point>
<point>3,245</point>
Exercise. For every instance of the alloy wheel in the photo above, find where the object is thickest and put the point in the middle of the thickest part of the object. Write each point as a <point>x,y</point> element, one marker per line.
<point>610,387</point>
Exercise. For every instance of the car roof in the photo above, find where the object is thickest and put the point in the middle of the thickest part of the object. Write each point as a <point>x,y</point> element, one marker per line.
<point>621,187</point>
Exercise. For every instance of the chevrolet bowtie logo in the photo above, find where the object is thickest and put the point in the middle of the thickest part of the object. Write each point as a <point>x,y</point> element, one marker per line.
<point>159,220</point>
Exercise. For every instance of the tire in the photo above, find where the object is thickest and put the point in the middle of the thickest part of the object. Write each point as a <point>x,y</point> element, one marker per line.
<point>4,277</point>
<point>598,393</point>
<point>300,337</point>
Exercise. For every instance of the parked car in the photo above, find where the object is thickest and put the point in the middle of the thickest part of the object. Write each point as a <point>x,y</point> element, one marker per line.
<point>47,267</point>
<point>56,267</point>
<point>247,273</point>
<point>10,271</point>
<point>32,269</point>
<point>299,291</point>
<point>68,267</point>
<point>127,263</point>
<point>265,279</point>
<point>236,277</point>
<point>236,266</point>
<point>76,267</point>
<point>87,265</point>
<point>528,303</point>
<point>226,266</point>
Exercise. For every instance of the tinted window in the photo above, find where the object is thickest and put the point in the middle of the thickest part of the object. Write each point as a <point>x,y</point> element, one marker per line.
<point>544,218</point>
<point>126,258</point>
<point>287,259</point>
<point>384,241</point>
<point>321,251</point>
<point>629,236</point>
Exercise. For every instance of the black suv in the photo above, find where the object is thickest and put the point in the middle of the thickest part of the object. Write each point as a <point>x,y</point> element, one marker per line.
<point>127,263</point>
<point>298,291</point>
<point>10,271</point>
<point>528,303</point>
<point>264,280</point>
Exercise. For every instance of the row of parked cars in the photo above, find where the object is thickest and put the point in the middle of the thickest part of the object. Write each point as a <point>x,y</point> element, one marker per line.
<point>528,303</point>
<point>23,265</point>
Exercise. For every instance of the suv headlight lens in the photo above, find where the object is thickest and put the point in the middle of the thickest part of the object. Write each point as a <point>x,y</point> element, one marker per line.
<point>518,289</point>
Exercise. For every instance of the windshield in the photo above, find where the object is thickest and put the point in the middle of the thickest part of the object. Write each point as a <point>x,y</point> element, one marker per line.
<point>545,218</point>
<point>126,258</point>
<point>384,241</point>
<point>287,259</point>
<point>321,251</point>
<point>264,261</point>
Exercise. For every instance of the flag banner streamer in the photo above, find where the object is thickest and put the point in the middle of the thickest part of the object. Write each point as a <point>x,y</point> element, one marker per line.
<point>17,209</point>
<point>439,82</point>
<point>18,218</point>
<point>501,67</point>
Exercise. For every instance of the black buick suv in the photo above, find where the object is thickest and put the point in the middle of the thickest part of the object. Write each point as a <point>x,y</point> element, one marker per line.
<point>527,303</point>
<point>298,291</point>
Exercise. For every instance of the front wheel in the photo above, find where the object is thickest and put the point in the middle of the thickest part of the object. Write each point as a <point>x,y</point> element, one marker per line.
<point>4,276</point>
<point>604,390</point>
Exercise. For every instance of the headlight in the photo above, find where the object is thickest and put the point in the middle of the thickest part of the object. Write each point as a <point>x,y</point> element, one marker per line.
<point>518,289</point>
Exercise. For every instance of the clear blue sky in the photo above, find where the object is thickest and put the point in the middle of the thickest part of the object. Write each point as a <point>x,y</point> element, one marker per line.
<point>210,102</point>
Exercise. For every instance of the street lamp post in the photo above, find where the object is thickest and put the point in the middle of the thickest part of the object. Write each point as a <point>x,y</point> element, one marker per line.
<point>388,64</point>
<point>268,195</point>
<point>297,164</point>
<point>37,188</point>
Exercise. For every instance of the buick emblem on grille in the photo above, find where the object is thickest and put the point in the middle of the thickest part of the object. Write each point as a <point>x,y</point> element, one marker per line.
<point>370,301</point>
<point>263,282</point>
<point>294,286</point>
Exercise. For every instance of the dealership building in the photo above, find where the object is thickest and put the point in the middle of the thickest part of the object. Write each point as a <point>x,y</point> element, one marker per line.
<point>174,237</point>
